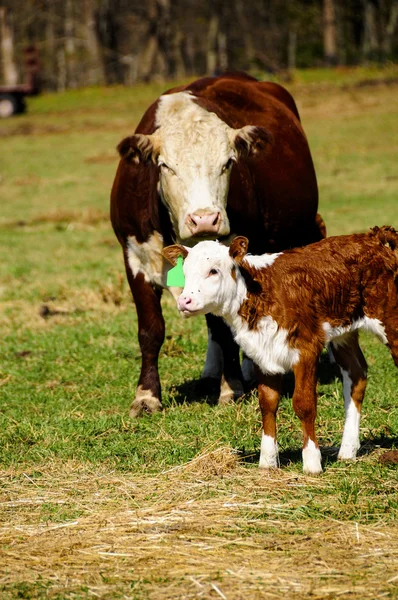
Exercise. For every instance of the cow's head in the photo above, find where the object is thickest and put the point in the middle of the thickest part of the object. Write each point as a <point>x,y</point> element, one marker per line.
<point>213,283</point>
<point>195,151</point>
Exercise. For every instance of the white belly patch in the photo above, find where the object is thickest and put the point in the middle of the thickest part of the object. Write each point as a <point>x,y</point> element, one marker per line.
<point>267,346</point>
<point>372,325</point>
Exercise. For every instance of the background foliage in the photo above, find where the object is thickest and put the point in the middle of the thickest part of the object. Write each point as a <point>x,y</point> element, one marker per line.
<point>84,42</point>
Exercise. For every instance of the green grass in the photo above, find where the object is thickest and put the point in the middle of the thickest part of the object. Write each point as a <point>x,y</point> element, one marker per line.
<point>69,363</point>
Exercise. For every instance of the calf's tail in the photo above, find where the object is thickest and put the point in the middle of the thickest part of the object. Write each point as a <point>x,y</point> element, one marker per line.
<point>387,235</point>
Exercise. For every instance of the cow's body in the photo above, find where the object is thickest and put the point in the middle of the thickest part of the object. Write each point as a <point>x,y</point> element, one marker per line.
<point>217,158</point>
<point>283,308</point>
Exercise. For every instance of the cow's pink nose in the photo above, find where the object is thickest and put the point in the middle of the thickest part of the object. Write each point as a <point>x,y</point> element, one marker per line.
<point>203,222</point>
<point>184,302</point>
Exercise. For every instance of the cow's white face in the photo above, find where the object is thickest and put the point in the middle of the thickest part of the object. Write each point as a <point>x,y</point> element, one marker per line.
<point>195,163</point>
<point>195,152</point>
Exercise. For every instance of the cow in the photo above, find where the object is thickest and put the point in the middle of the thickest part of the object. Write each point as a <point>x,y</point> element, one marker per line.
<point>284,307</point>
<point>220,157</point>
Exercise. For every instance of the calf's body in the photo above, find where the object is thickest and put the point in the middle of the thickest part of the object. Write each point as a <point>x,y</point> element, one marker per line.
<point>283,308</point>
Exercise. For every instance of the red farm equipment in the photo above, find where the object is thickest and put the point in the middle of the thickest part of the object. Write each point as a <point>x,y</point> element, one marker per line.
<point>12,97</point>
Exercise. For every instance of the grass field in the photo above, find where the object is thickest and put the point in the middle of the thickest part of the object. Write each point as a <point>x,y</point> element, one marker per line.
<point>96,505</point>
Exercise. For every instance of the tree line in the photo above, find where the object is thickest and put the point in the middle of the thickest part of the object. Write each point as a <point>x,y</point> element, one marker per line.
<point>90,42</point>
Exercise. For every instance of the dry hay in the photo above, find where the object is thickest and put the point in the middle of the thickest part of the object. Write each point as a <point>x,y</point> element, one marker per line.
<point>70,305</point>
<point>209,529</point>
<point>390,457</point>
<point>84,219</point>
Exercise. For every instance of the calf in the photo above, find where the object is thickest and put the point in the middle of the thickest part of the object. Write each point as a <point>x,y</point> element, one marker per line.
<point>283,308</point>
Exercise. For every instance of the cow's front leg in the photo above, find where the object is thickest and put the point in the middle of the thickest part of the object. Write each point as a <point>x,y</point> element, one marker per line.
<point>304,404</point>
<point>222,347</point>
<point>269,393</point>
<point>151,330</point>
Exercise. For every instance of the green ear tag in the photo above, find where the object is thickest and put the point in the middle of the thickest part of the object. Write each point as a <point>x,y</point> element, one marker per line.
<point>175,277</point>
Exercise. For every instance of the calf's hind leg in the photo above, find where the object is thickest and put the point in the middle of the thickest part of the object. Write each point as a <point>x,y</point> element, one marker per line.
<point>391,327</point>
<point>353,367</point>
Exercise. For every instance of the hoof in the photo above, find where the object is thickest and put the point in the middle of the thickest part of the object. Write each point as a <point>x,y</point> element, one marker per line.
<point>230,391</point>
<point>348,452</point>
<point>269,453</point>
<point>144,402</point>
<point>312,460</point>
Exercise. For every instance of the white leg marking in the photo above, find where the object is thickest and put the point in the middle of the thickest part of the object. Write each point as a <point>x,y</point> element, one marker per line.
<point>269,453</point>
<point>230,391</point>
<point>144,401</point>
<point>350,442</point>
<point>312,460</point>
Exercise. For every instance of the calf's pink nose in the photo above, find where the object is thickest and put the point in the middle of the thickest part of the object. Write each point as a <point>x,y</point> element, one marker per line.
<point>183,302</point>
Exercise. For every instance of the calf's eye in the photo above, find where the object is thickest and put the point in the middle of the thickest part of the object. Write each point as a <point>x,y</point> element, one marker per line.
<point>213,272</point>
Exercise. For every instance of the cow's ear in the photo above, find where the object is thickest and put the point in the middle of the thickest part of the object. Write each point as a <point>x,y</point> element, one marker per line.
<point>250,140</point>
<point>139,148</point>
<point>238,248</point>
<point>173,252</point>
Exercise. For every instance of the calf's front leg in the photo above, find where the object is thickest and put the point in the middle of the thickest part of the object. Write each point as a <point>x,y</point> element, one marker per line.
<point>304,404</point>
<point>269,393</point>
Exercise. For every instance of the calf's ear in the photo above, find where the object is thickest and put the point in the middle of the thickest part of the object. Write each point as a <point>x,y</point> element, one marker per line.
<point>173,252</point>
<point>250,140</point>
<point>139,148</point>
<point>238,248</point>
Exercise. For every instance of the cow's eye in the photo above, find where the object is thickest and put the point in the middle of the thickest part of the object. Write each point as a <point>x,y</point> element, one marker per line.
<point>166,168</point>
<point>227,165</point>
<point>213,272</point>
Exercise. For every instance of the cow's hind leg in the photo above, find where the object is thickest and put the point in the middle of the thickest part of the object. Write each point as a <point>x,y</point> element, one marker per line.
<point>224,347</point>
<point>353,367</point>
<point>151,331</point>
<point>269,392</point>
<point>304,404</point>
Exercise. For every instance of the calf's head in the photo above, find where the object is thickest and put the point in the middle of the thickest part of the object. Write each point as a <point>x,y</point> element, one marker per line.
<point>211,276</point>
<point>195,151</point>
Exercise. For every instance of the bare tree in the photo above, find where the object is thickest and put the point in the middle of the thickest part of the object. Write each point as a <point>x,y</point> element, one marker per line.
<point>96,74</point>
<point>390,29</point>
<point>329,33</point>
<point>370,46</point>
<point>10,73</point>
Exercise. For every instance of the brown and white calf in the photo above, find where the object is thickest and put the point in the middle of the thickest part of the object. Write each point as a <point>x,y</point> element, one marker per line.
<point>283,308</point>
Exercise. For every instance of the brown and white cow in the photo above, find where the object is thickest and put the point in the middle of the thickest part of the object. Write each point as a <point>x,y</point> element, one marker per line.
<point>284,307</point>
<point>219,157</point>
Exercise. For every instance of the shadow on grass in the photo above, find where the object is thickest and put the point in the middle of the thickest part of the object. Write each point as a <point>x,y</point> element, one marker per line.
<point>207,390</point>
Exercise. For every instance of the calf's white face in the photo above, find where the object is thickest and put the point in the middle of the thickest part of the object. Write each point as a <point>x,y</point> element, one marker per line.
<point>210,278</point>
<point>195,151</point>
